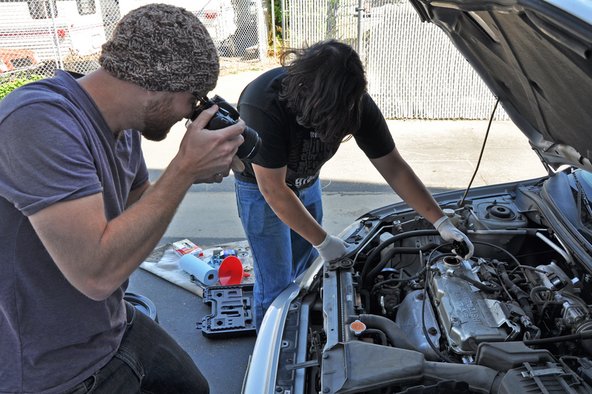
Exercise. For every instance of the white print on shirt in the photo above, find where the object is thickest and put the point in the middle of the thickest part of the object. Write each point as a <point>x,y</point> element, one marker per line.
<point>299,182</point>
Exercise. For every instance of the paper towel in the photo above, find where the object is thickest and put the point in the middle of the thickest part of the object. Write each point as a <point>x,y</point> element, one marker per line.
<point>199,269</point>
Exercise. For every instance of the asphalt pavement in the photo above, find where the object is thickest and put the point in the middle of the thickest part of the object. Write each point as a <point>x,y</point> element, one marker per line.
<point>444,154</point>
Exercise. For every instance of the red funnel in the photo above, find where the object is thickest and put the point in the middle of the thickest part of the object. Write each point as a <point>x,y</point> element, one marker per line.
<point>230,271</point>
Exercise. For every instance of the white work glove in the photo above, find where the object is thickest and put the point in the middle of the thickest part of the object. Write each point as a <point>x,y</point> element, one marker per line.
<point>331,248</point>
<point>450,233</point>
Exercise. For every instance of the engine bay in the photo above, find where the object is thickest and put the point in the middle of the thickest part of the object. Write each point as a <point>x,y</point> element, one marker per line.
<point>408,314</point>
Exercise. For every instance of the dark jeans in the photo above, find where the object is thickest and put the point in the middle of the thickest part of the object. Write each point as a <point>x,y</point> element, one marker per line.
<point>148,361</point>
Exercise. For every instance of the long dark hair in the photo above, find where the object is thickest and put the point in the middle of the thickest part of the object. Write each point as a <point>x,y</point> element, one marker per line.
<point>323,87</point>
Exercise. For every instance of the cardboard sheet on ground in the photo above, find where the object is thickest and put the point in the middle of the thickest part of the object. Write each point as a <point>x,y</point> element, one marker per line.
<point>163,262</point>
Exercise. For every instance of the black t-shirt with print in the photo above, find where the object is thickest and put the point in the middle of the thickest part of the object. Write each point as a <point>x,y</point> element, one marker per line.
<point>286,143</point>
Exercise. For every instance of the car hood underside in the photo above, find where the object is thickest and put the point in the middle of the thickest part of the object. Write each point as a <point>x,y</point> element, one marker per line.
<point>536,59</point>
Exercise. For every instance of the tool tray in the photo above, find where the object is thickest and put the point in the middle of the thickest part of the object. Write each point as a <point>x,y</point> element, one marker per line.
<point>232,313</point>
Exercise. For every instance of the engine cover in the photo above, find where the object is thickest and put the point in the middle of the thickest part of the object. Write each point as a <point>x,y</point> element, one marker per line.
<point>467,316</point>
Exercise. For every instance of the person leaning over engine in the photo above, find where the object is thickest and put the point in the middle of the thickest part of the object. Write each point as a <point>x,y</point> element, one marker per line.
<point>303,111</point>
<point>79,214</point>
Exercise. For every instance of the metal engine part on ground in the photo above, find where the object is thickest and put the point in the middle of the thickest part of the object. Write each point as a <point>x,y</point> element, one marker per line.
<point>143,304</point>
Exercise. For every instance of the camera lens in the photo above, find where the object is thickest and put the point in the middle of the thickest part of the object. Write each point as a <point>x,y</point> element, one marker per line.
<point>224,117</point>
<point>250,146</point>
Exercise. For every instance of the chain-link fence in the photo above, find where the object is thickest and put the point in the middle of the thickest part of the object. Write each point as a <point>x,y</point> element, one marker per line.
<point>38,36</point>
<point>413,70</point>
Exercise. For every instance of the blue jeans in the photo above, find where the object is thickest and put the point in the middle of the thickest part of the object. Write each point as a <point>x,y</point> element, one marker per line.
<point>147,361</point>
<point>279,254</point>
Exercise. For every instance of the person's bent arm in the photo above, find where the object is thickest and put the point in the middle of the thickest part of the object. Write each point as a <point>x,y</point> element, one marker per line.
<point>96,255</point>
<point>285,204</point>
<point>403,180</point>
<point>136,193</point>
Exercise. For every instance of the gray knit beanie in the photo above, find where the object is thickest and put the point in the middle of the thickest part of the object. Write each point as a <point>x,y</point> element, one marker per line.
<point>162,48</point>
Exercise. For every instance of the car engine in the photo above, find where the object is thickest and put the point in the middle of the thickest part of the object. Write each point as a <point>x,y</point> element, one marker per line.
<point>408,314</point>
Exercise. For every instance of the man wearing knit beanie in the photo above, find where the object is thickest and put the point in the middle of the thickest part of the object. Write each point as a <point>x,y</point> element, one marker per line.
<point>79,214</point>
<point>162,48</point>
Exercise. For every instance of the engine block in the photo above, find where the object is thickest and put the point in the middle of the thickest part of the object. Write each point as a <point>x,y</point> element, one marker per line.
<point>468,317</point>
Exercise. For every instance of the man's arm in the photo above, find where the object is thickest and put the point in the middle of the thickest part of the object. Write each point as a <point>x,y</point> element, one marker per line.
<point>136,193</point>
<point>285,204</point>
<point>96,255</point>
<point>403,180</point>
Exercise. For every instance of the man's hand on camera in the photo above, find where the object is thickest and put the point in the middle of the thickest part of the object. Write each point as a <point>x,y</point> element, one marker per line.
<point>208,154</point>
<point>237,165</point>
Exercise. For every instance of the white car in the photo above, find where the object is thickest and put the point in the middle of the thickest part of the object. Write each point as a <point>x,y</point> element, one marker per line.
<point>218,16</point>
<point>403,312</point>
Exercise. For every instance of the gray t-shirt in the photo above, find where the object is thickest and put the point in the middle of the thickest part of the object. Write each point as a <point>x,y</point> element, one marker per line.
<point>55,146</point>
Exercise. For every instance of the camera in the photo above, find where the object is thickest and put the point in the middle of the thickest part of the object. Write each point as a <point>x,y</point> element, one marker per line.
<point>224,117</point>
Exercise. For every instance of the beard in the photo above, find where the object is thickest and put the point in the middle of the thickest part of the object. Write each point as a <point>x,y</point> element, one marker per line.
<point>157,122</point>
<point>155,134</point>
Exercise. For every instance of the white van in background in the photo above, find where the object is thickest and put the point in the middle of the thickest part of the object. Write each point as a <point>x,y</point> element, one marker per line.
<point>68,34</point>
<point>217,15</point>
<point>58,31</point>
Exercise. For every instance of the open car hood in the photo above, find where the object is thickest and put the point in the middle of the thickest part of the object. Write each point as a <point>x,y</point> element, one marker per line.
<point>537,59</point>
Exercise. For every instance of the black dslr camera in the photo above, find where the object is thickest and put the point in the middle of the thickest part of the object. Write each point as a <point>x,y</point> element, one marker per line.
<point>227,116</point>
